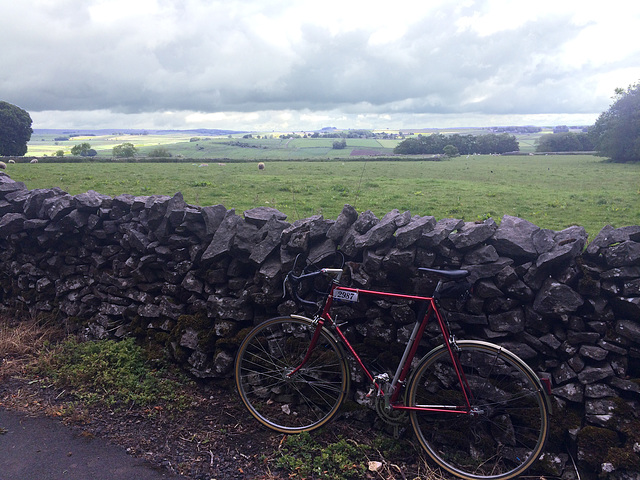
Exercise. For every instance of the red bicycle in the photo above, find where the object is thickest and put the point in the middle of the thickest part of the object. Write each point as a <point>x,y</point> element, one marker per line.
<point>476,408</point>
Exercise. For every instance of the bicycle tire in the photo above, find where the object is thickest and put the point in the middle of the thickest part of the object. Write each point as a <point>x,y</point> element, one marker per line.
<point>301,402</point>
<point>510,429</point>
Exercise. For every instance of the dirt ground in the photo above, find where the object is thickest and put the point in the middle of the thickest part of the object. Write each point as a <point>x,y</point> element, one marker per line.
<point>213,439</point>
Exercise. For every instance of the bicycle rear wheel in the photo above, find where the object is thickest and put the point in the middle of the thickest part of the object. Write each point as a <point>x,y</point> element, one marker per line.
<point>509,427</point>
<point>290,403</point>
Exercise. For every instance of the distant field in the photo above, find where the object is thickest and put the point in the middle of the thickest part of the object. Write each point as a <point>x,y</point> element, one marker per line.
<point>550,191</point>
<point>235,147</point>
<point>269,146</point>
<point>45,144</point>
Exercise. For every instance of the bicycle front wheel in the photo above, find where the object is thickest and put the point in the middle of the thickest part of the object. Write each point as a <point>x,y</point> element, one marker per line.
<point>280,400</point>
<point>507,427</point>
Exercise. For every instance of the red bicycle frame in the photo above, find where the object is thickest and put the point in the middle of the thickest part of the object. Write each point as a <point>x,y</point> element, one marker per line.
<point>428,310</point>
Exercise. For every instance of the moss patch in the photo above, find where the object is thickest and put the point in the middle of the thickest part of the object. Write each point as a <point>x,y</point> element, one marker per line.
<point>594,444</point>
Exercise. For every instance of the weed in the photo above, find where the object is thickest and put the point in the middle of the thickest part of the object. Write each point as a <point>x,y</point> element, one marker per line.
<point>111,373</point>
<point>304,457</point>
<point>486,216</point>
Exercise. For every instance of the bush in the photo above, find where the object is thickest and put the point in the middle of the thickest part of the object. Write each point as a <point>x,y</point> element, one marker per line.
<point>159,152</point>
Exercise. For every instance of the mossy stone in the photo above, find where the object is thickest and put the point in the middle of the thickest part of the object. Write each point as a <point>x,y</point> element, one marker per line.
<point>594,444</point>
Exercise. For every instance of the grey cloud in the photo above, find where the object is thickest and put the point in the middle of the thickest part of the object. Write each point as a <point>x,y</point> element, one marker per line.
<point>430,72</point>
<point>213,60</point>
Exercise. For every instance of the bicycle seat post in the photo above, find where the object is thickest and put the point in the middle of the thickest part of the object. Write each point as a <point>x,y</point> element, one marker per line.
<point>436,291</point>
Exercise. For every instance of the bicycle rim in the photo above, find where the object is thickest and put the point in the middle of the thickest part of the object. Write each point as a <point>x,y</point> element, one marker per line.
<point>508,431</point>
<point>290,403</point>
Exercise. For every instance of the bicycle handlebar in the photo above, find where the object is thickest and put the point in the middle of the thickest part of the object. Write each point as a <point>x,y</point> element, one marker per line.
<point>336,272</point>
<point>295,280</point>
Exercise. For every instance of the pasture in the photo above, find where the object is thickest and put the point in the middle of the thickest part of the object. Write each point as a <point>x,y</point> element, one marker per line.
<point>550,191</point>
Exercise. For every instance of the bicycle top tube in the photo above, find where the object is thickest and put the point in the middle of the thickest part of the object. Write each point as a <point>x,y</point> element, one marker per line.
<point>384,294</point>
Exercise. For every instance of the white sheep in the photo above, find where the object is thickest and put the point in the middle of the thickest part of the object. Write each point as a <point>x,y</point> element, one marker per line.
<point>261,166</point>
<point>3,165</point>
<point>35,160</point>
<point>12,161</point>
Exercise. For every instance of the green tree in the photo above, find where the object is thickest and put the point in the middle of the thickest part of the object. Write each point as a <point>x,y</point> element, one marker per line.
<point>15,129</point>
<point>340,144</point>
<point>126,150</point>
<point>81,149</point>
<point>451,151</point>
<point>59,153</point>
<point>409,146</point>
<point>616,133</point>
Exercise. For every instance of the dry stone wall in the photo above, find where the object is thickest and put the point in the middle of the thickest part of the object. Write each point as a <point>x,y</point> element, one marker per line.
<point>192,280</point>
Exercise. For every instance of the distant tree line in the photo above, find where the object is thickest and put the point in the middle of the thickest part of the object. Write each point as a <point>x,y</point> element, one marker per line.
<point>465,144</point>
<point>565,142</point>
<point>355,133</point>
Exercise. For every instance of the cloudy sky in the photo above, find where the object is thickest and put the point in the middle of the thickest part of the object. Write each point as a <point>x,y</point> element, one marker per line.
<point>303,65</point>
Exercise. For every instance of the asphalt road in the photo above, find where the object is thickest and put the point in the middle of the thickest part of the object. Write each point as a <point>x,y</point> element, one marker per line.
<point>36,448</point>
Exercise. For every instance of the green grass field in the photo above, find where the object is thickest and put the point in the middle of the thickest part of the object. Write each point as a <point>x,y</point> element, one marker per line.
<point>551,191</point>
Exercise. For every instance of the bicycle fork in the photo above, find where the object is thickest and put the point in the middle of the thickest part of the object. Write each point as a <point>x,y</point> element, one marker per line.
<point>318,322</point>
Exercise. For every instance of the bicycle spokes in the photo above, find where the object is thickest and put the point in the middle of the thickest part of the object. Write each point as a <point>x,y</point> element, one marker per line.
<point>281,391</point>
<point>506,427</point>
